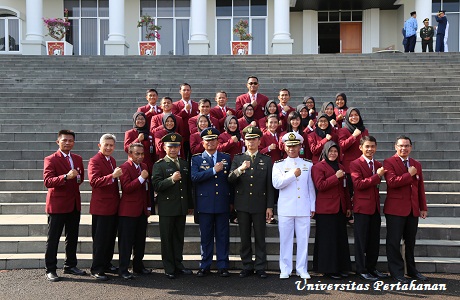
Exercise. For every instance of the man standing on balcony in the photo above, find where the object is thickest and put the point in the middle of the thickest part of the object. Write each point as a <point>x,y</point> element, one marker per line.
<point>410,27</point>
<point>257,100</point>
<point>441,30</point>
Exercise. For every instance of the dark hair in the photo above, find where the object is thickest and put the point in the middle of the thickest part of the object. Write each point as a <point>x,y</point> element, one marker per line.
<point>151,90</point>
<point>285,90</point>
<point>403,137</point>
<point>134,145</point>
<point>249,77</point>
<point>272,116</point>
<point>67,132</point>
<point>167,98</point>
<point>184,84</point>
<point>367,138</point>
<point>413,13</point>
<point>223,92</point>
<point>294,115</point>
<point>204,100</point>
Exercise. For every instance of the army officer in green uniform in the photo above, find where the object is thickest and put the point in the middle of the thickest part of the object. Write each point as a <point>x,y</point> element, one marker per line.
<point>171,181</point>
<point>426,34</point>
<point>251,174</point>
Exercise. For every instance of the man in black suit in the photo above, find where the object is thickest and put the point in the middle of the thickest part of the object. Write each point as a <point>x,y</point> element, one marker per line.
<point>251,173</point>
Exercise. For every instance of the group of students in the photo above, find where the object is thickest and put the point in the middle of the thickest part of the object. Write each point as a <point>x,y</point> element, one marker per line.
<point>332,144</point>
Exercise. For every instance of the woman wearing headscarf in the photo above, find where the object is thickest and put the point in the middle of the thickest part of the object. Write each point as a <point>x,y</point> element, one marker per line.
<point>322,134</point>
<point>196,142</point>
<point>231,141</point>
<point>248,117</point>
<point>141,134</point>
<point>294,124</point>
<point>169,126</point>
<point>331,255</point>
<point>307,122</point>
<point>309,102</point>
<point>270,108</point>
<point>328,109</point>
<point>340,108</point>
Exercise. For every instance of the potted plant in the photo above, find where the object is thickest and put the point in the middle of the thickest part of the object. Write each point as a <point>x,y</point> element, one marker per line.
<point>243,46</point>
<point>57,29</point>
<point>147,23</point>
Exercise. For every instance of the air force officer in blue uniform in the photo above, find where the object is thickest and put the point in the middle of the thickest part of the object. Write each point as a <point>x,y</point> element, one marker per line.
<point>213,198</point>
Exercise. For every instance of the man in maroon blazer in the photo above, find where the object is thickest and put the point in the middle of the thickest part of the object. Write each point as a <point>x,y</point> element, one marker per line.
<point>257,100</point>
<point>366,174</point>
<point>151,109</point>
<point>283,107</point>
<point>134,209</point>
<point>63,173</point>
<point>404,204</point>
<point>103,175</point>
<point>157,121</point>
<point>204,106</point>
<point>221,110</point>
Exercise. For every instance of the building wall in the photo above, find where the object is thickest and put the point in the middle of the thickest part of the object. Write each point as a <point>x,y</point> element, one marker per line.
<point>296,27</point>
<point>390,29</point>
<point>132,34</point>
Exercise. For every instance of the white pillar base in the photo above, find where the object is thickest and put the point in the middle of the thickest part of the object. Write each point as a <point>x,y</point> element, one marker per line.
<point>116,48</point>
<point>31,47</point>
<point>282,46</point>
<point>198,47</point>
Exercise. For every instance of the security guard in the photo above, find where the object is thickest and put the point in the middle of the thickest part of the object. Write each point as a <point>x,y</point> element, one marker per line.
<point>171,181</point>
<point>213,198</point>
<point>426,34</point>
<point>251,174</point>
<point>296,205</point>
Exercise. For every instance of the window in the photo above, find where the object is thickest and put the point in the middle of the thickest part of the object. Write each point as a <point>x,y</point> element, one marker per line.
<point>9,31</point>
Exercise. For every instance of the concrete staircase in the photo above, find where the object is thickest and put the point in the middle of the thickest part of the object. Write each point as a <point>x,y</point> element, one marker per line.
<point>416,94</point>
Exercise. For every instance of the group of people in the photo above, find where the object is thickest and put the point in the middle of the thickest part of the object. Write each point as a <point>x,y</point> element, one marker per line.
<point>186,157</point>
<point>427,33</point>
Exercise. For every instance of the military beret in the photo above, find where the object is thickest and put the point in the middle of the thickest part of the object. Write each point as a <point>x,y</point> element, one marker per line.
<point>209,133</point>
<point>252,132</point>
<point>172,139</point>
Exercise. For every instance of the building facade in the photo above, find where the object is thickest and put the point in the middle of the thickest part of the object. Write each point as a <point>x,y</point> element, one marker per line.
<point>205,27</point>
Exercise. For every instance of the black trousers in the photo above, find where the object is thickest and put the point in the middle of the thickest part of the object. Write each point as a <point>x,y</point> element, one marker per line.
<point>172,230</point>
<point>426,43</point>
<point>104,233</point>
<point>401,228</point>
<point>410,46</point>
<point>131,239</point>
<point>440,42</point>
<point>56,223</point>
<point>247,221</point>
<point>367,241</point>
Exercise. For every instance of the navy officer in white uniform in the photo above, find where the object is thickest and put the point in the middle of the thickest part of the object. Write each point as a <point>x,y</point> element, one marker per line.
<point>296,205</point>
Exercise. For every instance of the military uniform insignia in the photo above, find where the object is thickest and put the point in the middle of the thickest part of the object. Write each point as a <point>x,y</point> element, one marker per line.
<point>173,137</point>
<point>250,130</point>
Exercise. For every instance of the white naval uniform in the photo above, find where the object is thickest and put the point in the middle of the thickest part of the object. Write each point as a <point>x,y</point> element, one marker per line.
<point>295,203</point>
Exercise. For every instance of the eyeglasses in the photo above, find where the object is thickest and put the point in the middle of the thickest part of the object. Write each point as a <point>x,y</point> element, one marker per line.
<point>309,102</point>
<point>403,146</point>
<point>253,83</point>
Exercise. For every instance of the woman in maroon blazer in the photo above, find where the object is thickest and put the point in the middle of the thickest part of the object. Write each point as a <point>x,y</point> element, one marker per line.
<point>170,126</point>
<point>248,117</point>
<point>307,122</point>
<point>269,142</point>
<point>309,102</point>
<point>340,108</point>
<point>294,124</point>
<point>270,108</point>
<point>141,134</point>
<point>196,145</point>
<point>320,136</point>
<point>328,109</point>
<point>331,255</point>
<point>231,141</point>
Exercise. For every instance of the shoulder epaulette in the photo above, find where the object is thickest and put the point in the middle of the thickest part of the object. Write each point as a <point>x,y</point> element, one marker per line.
<point>279,160</point>
<point>161,159</point>
<point>239,154</point>
<point>196,154</point>
<point>265,155</point>
<point>226,153</point>
<point>306,159</point>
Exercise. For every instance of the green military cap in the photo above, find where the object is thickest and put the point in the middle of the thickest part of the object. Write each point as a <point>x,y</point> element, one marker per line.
<point>172,140</point>
<point>209,133</point>
<point>426,20</point>
<point>252,132</point>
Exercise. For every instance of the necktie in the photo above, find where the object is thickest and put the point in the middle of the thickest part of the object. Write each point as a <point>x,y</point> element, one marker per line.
<point>139,170</point>
<point>110,162</point>
<point>371,166</point>
<point>67,158</point>
<point>176,161</point>
<point>406,163</point>
<point>223,111</point>
<point>253,98</point>
<point>252,158</point>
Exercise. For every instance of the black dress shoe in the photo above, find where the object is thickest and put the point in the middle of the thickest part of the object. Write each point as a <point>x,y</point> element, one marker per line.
<point>344,274</point>
<point>401,279</point>
<point>223,273</point>
<point>52,276</point>
<point>112,270</point>
<point>100,276</point>
<point>185,272</point>
<point>379,274</point>
<point>126,275</point>
<point>333,275</point>
<point>246,273</point>
<point>367,276</point>
<point>170,276</point>
<point>74,271</point>
<point>143,271</point>
<point>418,276</point>
<point>202,272</point>
<point>261,274</point>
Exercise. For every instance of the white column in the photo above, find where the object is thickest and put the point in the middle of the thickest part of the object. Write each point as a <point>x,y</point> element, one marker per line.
<point>198,43</point>
<point>116,44</point>
<point>282,42</point>
<point>423,9</point>
<point>371,30</point>
<point>310,32</point>
<point>34,43</point>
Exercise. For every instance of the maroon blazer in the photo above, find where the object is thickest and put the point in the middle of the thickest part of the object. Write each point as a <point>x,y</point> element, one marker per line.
<point>178,110</point>
<point>63,196</point>
<point>262,124</point>
<point>349,147</point>
<point>259,111</point>
<point>105,196</point>
<point>149,114</point>
<point>192,124</point>
<point>217,113</point>
<point>331,193</point>
<point>157,124</point>
<point>266,140</point>
<point>159,144</point>
<point>366,197</point>
<point>316,144</point>
<point>227,145</point>
<point>339,122</point>
<point>131,136</point>
<point>135,197</point>
<point>196,143</point>
<point>404,192</point>
<point>283,117</point>
<point>304,150</point>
